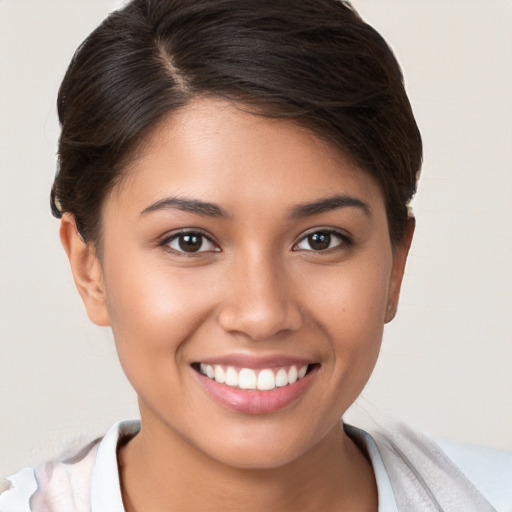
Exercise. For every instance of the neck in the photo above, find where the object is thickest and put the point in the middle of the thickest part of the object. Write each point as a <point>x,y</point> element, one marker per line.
<point>173,475</point>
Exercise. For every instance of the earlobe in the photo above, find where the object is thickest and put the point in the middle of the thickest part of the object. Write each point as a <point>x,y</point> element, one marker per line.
<point>400,253</point>
<point>86,269</point>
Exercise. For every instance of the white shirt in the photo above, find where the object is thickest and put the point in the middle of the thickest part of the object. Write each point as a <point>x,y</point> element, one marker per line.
<point>90,481</point>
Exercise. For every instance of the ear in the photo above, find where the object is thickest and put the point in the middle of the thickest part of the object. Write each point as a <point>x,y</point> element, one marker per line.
<point>86,269</point>
<point>400,252</point>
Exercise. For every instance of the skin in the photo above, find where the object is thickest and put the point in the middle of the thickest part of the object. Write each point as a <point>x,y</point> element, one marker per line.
<point>258,288</point>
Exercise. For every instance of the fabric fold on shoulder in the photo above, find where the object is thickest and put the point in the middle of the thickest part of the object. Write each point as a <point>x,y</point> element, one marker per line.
<point>423,477</point>
<point>65,486</point>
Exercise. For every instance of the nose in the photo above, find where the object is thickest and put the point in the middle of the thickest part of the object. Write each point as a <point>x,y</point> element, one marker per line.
<point>259,301</point>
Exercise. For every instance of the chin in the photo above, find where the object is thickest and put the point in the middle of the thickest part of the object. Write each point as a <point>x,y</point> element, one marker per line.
<point>269,447</point>
<point>257,458</point>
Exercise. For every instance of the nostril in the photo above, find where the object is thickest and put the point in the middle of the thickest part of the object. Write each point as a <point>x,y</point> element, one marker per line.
<point>260,321</point>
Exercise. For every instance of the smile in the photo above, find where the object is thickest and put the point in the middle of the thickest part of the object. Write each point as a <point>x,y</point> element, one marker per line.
<point>255,386</point>
<point>265,379</point>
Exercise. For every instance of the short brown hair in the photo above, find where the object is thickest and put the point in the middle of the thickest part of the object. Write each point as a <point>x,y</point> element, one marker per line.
<point>315,62</point>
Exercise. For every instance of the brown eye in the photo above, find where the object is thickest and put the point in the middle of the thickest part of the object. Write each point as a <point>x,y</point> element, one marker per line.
<point>321,241</point>
<point>191,243</point>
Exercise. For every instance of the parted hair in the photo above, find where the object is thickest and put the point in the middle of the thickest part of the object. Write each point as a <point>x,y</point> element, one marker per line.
<point>314,62</point>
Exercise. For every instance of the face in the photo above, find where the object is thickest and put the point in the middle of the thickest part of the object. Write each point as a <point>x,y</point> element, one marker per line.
<point>246,272</point>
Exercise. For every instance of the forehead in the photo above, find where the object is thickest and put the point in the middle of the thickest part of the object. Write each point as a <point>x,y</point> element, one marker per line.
<point>215,150</point>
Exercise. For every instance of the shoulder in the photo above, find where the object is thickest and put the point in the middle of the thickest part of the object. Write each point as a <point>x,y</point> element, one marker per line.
<point>59,486</point>
<point>453,475</point>
<point>84,481</point>
<point>16,491</point>
<point>489,469</point>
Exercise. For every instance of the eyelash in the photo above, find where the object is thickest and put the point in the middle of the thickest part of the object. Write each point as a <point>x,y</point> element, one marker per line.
<point>345,240</point>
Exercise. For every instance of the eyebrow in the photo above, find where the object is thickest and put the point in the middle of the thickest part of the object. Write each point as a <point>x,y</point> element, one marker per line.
<point>187,205</point>
<point>327,204</point>
<point>300,211</point>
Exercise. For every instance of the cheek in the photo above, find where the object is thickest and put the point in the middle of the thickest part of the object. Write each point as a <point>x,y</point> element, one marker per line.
<point>153,308</point>
<point>350,305</point>
<point>154,314</point>
<point>353,296</point>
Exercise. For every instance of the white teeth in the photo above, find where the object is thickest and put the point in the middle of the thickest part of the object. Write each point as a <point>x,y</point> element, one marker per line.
<point>282,378</point>
<point>247,379</point>
<point>218,373</point>
<point>292,375</point>
<point>264,380</point>
<point>231,377</point>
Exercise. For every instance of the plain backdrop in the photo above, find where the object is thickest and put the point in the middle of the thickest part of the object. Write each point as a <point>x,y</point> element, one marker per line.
<point>446,359</point>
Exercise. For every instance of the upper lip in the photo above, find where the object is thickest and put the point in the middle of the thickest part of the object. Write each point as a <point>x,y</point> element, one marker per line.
<point>256,362</point>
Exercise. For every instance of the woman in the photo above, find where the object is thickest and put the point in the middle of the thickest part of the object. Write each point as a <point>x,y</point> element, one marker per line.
<point>234,184</point>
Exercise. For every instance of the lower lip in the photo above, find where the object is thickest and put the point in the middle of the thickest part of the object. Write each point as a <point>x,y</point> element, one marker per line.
<point>254,401</point>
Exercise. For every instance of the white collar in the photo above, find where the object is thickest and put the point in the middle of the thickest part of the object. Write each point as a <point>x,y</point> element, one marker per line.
<point>387,502</point>
<point>105,484</point>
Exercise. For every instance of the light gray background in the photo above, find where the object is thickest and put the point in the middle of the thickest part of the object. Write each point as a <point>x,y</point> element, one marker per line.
<point>446,359</point>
